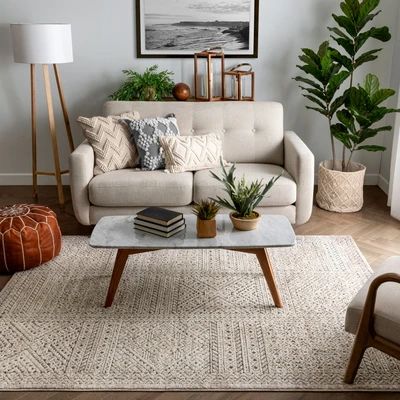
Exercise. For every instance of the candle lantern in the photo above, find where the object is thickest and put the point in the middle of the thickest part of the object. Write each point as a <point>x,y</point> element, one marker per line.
<point>209,68</point>
<point>239,83</point>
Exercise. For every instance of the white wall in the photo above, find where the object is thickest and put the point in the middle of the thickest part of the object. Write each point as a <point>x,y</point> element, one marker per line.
<point>104,44</point>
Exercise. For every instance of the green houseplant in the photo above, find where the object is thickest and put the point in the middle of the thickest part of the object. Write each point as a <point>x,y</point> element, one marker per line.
<point>152,85</point>
<point>340,182</point>
<point>243,197</point>
<point>206,225</point>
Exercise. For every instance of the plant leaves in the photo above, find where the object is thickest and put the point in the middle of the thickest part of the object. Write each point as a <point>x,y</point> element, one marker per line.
<point>371,147</point>
<point>366,57</point>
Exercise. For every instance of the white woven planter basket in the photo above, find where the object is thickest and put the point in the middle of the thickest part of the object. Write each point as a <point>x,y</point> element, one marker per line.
<point>340,191</point>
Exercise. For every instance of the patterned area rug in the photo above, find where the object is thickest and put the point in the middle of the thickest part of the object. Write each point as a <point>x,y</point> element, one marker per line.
<point>185,320</point>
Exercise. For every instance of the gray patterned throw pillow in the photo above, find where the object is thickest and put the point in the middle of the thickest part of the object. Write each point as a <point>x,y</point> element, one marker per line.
<point>145,134</point>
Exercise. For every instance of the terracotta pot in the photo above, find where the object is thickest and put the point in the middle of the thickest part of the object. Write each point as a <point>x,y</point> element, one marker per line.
<point>340,191</point>
<point>245,224</point>
<point>206,228</point>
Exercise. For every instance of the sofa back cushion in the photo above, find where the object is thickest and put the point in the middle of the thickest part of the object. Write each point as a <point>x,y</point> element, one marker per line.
<point>252,132</point>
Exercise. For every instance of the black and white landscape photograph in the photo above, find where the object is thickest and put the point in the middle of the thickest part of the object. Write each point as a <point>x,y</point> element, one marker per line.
<point>183,27</point>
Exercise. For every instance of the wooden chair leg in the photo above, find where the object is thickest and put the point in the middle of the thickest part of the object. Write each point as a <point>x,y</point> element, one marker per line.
<point>357,353</point>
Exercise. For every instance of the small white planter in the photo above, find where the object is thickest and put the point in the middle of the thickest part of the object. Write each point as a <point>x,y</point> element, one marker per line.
<point>341,191</point>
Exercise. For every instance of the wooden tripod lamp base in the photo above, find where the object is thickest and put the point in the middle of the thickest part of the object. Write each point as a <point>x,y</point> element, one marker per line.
<point>58,172</point>
<point>45,44</point>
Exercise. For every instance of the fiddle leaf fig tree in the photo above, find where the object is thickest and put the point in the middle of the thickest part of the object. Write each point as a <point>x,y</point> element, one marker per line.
<point>326,81</point>
<point>351,35</point>
<point>363,110</point>
<point>330,67</point>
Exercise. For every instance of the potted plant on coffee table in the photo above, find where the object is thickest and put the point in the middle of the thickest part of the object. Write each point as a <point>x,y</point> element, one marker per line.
<point>243,197</point>
<point>340,180</point>
<point>206,225</point>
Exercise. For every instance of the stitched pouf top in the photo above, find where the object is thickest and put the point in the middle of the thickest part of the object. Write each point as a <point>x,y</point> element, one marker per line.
<point>29,236</point>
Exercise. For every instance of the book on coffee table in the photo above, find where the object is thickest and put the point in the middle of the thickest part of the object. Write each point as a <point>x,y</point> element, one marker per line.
<point>160,233</point>
<point>160,216</point>
<point>139,223</point>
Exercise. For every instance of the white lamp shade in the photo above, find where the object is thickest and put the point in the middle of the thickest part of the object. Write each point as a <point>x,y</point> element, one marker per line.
<point>42,43</point>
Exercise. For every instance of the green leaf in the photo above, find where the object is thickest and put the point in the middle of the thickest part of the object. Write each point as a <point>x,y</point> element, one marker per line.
<point>339,32</point>
<point>345,117</point>
<point>315,100</point>
<point>371,84</point>
<point>316,92</point>
<point>339,131</point>
<point>342,60</point>
<point>381,95</point>
<point>381,34</point>
<point>366,7</point>
<point>346,23</point>
<point>369,133</point>
<point>335,82</point>
<point>371,147</point>
<point>347,45</point>
<point>308,82</point>
<point>323,49</point>
<point>320,110</point>
<point>313,71</point>
<point>336,104</point>
<point>366,57</point>
<point>350,8</point>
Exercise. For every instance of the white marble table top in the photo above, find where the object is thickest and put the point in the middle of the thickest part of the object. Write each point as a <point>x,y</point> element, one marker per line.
<point>118,232</point>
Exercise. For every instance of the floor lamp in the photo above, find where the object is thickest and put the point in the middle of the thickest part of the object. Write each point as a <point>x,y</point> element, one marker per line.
<point>45,44</point>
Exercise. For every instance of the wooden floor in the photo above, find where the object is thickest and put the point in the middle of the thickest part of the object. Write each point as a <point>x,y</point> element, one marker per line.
<point>376,234</point>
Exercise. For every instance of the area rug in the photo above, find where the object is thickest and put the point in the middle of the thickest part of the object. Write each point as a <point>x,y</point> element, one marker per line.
<point>187,320</point>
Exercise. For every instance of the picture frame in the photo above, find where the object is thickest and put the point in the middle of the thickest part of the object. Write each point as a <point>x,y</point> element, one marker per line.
<point>179,29</point>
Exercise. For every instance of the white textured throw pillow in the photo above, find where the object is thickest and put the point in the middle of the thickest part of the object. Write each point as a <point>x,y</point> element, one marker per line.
<point>110,141</point>
<point>191,153</point>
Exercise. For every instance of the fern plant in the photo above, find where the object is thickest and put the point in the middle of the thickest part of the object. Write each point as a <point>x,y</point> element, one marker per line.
<point>152,85</point>
<point>243,197</point>
<point>206,209</point>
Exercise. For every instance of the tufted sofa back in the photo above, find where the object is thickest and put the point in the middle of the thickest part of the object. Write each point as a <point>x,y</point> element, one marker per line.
<point>252,131</point>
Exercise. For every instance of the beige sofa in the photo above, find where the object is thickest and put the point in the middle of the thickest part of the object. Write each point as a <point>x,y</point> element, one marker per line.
<point>253,138</point>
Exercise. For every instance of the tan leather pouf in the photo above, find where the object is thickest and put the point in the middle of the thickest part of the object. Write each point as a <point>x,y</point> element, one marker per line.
<point>29,236</point>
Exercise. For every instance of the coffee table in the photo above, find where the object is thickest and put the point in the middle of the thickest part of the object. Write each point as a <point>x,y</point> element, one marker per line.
<point>117,232</point>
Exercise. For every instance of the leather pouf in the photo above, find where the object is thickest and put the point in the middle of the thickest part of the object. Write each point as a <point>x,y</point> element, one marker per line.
<point>29,236</point>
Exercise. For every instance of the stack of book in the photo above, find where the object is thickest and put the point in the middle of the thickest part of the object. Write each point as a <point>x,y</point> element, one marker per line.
<point>159,221</point>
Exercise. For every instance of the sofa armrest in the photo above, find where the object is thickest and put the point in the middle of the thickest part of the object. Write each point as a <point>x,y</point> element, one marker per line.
<point>299,162</point>
<point>81,163</point>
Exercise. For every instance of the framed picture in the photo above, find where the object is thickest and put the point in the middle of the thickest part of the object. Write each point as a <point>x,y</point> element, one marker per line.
<point>179,28</point>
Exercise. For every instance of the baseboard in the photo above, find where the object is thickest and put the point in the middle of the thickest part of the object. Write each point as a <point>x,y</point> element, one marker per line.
<point>26,179</point>
<point>383,183</point>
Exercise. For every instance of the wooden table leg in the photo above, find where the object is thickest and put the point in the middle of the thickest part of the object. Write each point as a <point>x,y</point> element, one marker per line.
<point>119,265</point>
<point>263,259</point>
<point>265,263</point>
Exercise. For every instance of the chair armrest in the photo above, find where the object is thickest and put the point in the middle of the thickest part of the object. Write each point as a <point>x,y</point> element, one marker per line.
<point>299,162</point>
<point>81,163</point>
<point>367,316</point>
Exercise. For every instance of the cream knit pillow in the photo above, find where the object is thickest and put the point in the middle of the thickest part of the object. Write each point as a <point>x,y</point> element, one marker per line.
<point>191,153</point>
<point>109,139</point>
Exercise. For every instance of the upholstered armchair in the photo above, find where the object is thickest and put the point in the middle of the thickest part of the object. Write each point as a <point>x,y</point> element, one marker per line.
<point>374,316</point>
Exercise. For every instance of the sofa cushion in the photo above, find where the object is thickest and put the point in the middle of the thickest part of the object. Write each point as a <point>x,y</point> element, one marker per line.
<point>191,153</point>
<point>283,193</point>
<point>130,187</point>
<point>387,310</point>
<point>110,142</point>
<point>146,133</point>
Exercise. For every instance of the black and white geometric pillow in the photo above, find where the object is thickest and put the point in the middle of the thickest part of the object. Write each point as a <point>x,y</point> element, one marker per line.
<point>145,134</point>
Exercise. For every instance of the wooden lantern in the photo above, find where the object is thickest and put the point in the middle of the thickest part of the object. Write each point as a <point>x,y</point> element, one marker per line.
<point>237,78</point>
<point>206,85</point>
